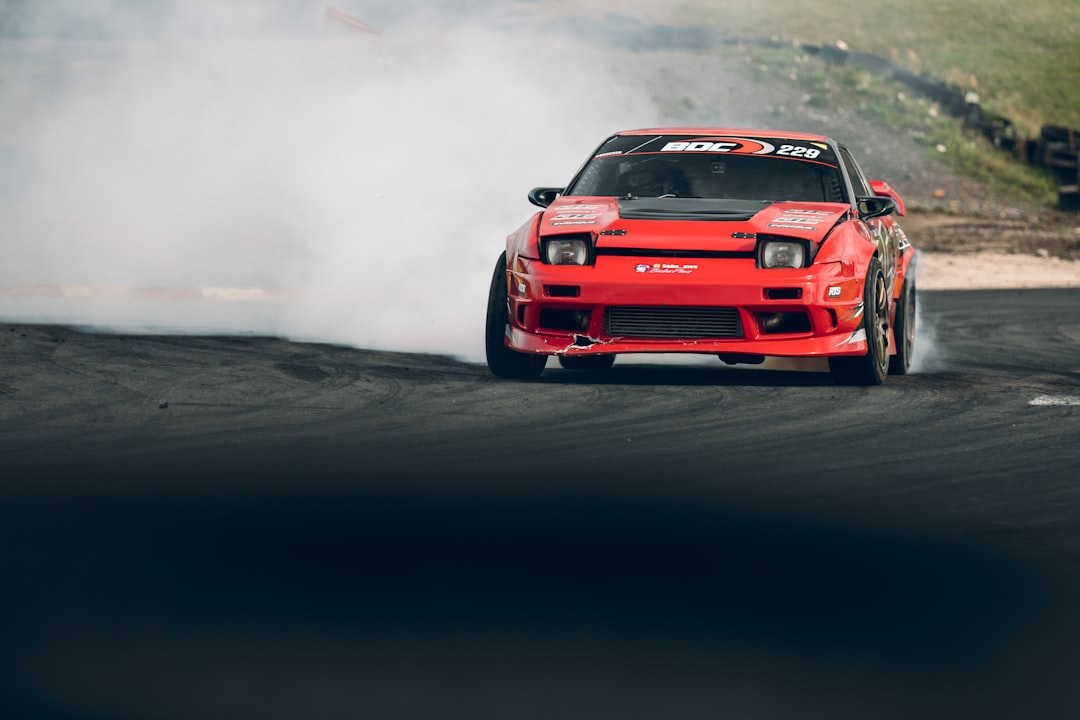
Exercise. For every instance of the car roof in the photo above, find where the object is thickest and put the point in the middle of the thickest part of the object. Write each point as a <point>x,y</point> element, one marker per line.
<point>709,131</point>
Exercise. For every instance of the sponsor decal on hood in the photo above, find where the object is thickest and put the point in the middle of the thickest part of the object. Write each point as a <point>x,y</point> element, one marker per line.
<point>810,220</point>
<point>566,215</point>
<point>601,217</point>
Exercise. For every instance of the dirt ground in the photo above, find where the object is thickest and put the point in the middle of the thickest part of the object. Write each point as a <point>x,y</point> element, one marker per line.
<point>971,252</point>
<point>983,271</point>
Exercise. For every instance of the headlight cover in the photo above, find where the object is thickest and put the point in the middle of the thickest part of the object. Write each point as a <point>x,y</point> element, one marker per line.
<point>575,250</point>
<point>783,252</point>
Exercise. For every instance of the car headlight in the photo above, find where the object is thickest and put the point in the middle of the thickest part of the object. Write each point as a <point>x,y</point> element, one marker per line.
<point>782,253</point>
<point>566,251</point>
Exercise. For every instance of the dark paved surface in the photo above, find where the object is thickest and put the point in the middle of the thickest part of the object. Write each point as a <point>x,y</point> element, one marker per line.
<point>243,527</point>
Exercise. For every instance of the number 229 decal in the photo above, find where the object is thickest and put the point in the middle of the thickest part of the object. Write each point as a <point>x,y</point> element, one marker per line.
<point>798,151</point>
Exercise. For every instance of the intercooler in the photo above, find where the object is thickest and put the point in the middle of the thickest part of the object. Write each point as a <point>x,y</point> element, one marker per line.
<point>664,323</point>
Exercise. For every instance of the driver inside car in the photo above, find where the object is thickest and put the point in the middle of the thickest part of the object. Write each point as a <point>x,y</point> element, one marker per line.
<point>652,180</point>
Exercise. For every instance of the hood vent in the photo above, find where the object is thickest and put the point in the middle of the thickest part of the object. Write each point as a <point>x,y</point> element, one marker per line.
<point>702,209</point>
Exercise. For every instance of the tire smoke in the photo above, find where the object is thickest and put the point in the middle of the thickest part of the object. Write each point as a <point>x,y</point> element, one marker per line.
<point>927,356</point>
<point>242,169</point>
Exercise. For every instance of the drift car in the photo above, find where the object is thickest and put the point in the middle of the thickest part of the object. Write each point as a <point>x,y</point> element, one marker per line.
<point>745,244</point>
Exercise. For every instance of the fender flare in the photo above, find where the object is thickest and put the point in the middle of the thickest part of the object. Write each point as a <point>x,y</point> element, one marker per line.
<point>842,246</point>
<point>525,241</point>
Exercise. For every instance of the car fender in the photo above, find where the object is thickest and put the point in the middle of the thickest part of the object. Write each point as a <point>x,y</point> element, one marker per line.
<point>851,245</point>
<point>525,241</point>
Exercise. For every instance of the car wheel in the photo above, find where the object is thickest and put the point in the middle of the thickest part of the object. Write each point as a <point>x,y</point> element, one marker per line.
<point>594,363</point>
<point>501,360</point>
<point>871,368</point>
<point>904,328</point>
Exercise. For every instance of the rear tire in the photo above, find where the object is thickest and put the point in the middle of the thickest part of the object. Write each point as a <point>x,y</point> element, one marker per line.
<point>904,328</point>
<point>871,368</point>
<point>501,360</point>
<point>588,363</point>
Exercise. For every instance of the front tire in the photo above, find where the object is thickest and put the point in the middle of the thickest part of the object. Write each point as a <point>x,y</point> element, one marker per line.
<point>501,360</point>
<point>871,368</point>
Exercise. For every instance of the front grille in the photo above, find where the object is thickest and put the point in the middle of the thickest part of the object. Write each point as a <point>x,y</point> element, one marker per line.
<point>664,323</point>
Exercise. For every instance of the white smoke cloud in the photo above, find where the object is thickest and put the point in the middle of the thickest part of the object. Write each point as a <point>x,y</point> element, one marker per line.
<point>363,183</point>
<point>927,355</point>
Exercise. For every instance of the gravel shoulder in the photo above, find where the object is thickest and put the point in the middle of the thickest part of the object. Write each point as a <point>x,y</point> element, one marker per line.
<point>972,252</point>
<point>994,271</point>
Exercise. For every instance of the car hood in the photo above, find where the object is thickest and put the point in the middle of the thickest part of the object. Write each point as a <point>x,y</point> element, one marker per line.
<point>689,223</point>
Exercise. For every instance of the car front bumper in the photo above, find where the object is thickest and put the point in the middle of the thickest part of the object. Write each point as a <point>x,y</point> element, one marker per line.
<point>573,310</point>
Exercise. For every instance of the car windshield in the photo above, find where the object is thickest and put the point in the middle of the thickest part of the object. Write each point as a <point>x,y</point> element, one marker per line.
<point>712,168</point>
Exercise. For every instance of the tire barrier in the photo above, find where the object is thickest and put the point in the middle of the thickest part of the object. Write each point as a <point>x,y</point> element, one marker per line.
<point>1057,151</point>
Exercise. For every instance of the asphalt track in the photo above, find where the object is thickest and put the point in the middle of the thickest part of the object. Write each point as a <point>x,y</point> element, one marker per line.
<point>247,527</point>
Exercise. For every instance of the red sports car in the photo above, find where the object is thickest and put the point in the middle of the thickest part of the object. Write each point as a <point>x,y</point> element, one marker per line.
<point>739,243</point>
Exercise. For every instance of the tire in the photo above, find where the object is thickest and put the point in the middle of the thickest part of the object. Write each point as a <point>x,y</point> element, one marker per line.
<point>871,368</point>
<point>904,328</point>
<point>501,360</point>
<point>589,363</point>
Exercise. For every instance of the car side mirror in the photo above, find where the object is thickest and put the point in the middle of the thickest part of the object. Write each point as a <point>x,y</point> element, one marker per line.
<point>884,189</point>
<point>544,196</point>
<point>872,207</point>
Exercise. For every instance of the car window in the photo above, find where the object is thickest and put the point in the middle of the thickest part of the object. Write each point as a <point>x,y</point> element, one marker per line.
<point>714,169</point>
<point>858,180</point>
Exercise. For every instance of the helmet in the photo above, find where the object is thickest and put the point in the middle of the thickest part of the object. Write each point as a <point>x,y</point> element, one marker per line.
<point>645,178</point>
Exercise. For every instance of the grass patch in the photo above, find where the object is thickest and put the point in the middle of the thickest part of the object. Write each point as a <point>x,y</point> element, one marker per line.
<point>1023,59</point>
<point>905,112</point>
